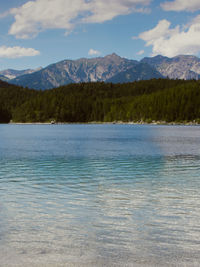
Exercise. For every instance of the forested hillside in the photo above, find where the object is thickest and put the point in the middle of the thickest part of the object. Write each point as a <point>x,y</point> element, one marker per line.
<point>157,99</point>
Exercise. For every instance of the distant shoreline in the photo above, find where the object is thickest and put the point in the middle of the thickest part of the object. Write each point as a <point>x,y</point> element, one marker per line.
<point>192,123</point>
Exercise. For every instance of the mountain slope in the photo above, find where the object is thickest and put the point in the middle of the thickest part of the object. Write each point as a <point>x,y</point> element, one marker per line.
<point>3,78</point>
<point>12,74</point>
<point>141,71</point>
<point>179,67</point>
<point>111,68</point>
<point>76,71</point>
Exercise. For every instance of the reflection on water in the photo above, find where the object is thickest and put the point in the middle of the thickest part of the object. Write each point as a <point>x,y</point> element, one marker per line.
<point>99,195</point>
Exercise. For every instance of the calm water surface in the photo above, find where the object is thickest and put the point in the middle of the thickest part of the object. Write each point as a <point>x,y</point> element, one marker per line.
<point>99,195</point>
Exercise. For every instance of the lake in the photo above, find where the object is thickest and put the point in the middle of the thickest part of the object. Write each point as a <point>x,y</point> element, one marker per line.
<point>99,195</point>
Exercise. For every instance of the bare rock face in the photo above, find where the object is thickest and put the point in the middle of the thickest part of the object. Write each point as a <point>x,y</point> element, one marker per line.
<point>3,78</point>
<point>179,67</point>
<point>84,70</point>
<point>96,69</point>
<point>111,68</point>
<point>12,74</point>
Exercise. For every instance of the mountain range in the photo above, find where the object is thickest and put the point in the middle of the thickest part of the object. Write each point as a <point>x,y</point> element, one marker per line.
<point>111,68</point>
<point>180,67</point>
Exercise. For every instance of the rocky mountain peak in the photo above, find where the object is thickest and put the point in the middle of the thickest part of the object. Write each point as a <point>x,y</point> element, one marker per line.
<point>111,68</point>
<point>113,55</point>
<point>11,73</point>
<point>178,67</point>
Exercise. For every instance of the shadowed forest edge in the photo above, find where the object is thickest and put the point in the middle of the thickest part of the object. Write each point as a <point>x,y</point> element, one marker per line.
<point>153,100</point>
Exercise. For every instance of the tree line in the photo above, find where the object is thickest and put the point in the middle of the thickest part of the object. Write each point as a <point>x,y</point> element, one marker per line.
<point>152,100</point>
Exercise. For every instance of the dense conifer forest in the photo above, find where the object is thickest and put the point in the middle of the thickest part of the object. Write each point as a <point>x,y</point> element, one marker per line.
<point>153,100</point>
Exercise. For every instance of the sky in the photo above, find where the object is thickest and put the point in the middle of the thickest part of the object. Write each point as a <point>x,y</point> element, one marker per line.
<point>41,32</point>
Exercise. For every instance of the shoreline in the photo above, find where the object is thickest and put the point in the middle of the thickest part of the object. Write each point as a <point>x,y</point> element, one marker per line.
<point>191,123</point>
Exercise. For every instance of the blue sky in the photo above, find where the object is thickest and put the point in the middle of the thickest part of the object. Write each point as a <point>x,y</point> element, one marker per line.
<point>40,32</point>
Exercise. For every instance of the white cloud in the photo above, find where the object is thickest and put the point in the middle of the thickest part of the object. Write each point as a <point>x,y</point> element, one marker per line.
<point>17,52</point>
<point>93,52</point>
<point>39,15</point>
<point>181,5</point>
<point>170,42</point>
<point>104,10</point>
<point>141,52</point>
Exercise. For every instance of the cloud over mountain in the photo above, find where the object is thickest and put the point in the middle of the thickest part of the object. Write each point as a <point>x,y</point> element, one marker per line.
<point>170,42</point>
<point>36,16</point>
<point>93,52</point>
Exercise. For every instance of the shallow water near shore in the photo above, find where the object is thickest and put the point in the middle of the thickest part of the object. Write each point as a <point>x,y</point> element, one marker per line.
<point>99,195</point>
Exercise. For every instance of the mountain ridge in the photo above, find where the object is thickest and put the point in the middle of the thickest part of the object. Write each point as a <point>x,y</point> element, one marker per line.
<point>179,67</point>
<point>12,73</point>
<point>111,68</point>
<point>76,71</point>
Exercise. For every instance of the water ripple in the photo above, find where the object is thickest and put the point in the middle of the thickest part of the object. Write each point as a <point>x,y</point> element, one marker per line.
<point>94,208</point>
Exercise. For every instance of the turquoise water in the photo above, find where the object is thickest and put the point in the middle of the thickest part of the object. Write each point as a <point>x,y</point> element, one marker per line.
<point>99,195</point>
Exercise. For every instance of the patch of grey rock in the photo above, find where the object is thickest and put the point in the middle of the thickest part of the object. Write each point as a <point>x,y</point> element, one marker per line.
<point>111,68</point>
